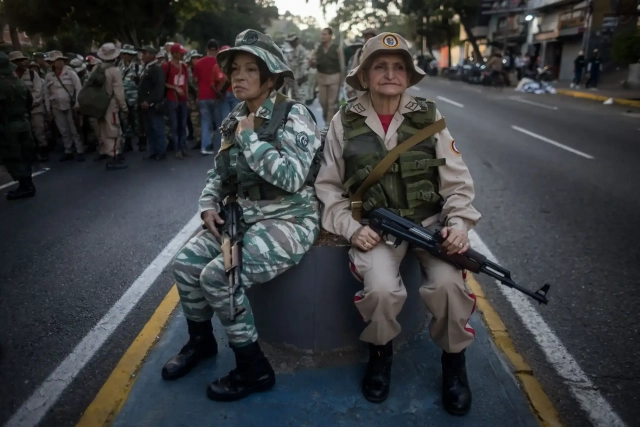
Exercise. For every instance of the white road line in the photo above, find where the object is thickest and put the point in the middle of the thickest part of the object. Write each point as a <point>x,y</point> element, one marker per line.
<point>457,104</point>
<point>552,142</point>
<point>596,407</point>
<point>9,184</point>
<point>526,101</point>
<point>35,408</point>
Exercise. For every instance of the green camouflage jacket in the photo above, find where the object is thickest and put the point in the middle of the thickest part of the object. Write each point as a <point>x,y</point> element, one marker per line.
<point>130,79</point>
<point>298,60</point>
<point>287,169</point>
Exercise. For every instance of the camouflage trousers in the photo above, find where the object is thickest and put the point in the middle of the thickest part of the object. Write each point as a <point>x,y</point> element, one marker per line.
<point>194,116</point>
<point>271,247</point>
<point>131,124</point>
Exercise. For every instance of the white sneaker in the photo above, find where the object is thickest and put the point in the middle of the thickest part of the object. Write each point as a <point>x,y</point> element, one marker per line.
<point>207,152</point>
<point>572,85</point>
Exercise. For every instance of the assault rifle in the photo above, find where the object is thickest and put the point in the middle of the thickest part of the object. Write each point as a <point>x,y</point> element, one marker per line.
<point>387,223</point>
<point>232,236</point>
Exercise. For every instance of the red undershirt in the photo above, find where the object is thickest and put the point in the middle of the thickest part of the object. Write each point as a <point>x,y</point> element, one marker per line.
<point>385,120</point>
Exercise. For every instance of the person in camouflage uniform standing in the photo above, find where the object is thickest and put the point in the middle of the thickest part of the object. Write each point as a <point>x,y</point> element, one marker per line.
<point>271,176</point>
<point>130,71</point>
<point>298,60</point>
<point>17,148</point>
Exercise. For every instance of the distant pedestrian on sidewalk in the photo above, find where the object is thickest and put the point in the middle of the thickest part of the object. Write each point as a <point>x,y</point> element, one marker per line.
<point>578,67</point>
<point>203,73</point>
<point>594,68</point>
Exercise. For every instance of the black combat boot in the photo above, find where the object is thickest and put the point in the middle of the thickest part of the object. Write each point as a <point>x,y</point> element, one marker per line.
<point>42,154</point>
<point>375,384</point>
<point>127,145</point>
<point>25,190</point>
<point>456,395</point>
<point>201,345</point>
<point>67,157</point>
<point>253,374</point>
<point>142,144</point>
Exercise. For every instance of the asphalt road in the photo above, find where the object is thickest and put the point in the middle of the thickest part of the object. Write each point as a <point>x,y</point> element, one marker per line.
<point>69,254</point>
<point>552,215</point>
<point>549,214</point>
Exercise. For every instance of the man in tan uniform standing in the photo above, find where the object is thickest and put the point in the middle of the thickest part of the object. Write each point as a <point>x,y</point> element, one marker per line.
<point>62,86</point>
<point>328,59</point>
<point>34,83</point>
<point>110,144</point>
<point>429,184</point>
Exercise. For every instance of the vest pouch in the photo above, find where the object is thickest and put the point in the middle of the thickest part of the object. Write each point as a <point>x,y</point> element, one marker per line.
<point>414,163</point>
<point>421,193</point>
<point>374,198</point>
<point>364,165</point>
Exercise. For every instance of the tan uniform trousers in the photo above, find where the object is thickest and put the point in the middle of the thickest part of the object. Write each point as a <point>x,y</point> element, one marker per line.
<point>328,90</point>
<point>39,129</point>
<point>110,133</point>
<point>65,122</point>
<point>443,291</point>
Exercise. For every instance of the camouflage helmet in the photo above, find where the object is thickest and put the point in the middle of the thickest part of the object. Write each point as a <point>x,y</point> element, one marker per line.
<point>262,46</point>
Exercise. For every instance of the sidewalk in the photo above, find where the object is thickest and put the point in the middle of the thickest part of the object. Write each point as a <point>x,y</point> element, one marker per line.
<point>626,97</point>
<point>313,391</point>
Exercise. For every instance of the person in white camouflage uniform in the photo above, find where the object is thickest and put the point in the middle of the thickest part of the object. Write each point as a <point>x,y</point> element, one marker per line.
<point>267,161</point>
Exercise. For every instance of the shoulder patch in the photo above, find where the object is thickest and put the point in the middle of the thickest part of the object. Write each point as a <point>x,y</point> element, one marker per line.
<point>454,148</point>
<point>302,141</point>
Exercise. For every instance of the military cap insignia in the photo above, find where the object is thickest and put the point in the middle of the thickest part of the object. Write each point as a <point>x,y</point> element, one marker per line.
<point>390,40</point>
<point>454,148</point>
<point>250,38</point>
<point>302,141</point>
<point>358,108</point>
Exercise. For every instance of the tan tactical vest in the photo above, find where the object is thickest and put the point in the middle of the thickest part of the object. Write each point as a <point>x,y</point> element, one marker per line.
<point>410,187</point>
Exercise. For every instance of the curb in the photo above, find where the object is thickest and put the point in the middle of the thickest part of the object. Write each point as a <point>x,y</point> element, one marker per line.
<point>594,97</point>
<point>114,392</point>
<point>540,403</point>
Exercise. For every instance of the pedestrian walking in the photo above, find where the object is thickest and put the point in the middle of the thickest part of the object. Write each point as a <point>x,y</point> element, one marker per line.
<point>299,64</point>
<point>594,69</point>
<point>579,63</point>
<point>130,71</point>
<point>329,60</point>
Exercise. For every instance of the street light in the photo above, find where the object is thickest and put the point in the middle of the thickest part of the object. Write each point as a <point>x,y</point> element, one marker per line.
<point>528,18</point>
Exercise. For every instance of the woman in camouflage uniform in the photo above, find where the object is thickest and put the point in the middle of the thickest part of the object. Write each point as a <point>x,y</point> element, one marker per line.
<point>193,119</point>
<point>269,146</point>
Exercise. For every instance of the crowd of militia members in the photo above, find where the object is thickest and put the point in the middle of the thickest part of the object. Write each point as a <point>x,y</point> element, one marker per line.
<point>166,99</point>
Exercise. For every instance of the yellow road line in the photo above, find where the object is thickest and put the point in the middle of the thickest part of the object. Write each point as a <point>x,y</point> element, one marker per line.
<point>538,399</point>
<point>115,391</point>
<point>593,96</point>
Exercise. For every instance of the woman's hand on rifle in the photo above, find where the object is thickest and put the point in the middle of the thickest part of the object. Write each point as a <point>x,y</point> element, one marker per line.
<point>211,219</point>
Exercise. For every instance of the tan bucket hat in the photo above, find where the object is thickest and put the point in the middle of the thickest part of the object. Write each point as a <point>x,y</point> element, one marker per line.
<point>16,56</point>
<point>108,52</point>
<point>385,43</point>
<point>54,55</point>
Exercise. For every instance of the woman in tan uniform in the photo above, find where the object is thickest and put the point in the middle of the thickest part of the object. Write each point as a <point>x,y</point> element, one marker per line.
<point>429,184</point>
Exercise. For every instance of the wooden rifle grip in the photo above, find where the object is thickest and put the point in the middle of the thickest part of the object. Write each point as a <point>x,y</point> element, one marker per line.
<point>226,253</point>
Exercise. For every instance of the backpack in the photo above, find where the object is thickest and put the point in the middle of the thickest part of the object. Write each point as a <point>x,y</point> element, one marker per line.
<point>93,99</point>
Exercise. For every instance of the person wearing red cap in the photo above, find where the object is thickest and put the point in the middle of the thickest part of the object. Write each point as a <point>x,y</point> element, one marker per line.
<point>207,97</point>
<point>226,99</point>
<point>176,75</point>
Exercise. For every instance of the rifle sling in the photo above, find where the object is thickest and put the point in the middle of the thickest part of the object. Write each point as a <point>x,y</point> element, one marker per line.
<point>388,160</point>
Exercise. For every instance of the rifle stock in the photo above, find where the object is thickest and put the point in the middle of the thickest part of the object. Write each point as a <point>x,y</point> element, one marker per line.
<point>387,223</point>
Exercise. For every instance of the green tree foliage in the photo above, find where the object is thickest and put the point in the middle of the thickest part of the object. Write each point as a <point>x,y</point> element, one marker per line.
<point>226,23</point>
<point>626,47</point>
